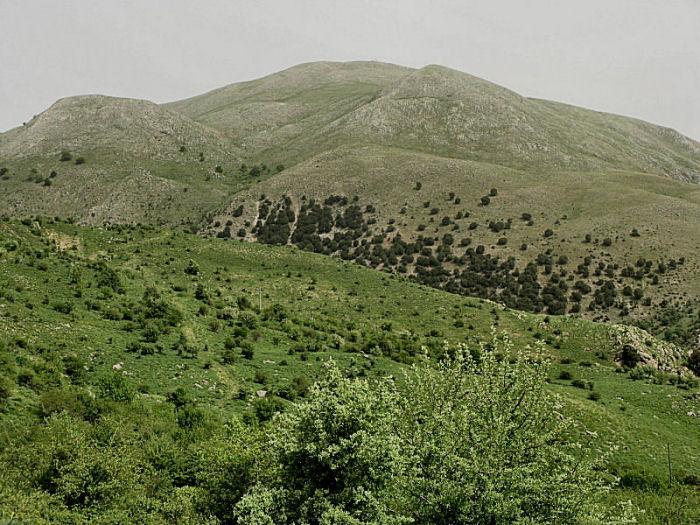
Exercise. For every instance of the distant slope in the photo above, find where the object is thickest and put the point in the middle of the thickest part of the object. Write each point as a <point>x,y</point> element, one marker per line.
<point>292,105</point>
<point>645,217</point>
<point>135,127</point>
<point>139,162</point>
<point>373,131</point>
<point>308,109</point>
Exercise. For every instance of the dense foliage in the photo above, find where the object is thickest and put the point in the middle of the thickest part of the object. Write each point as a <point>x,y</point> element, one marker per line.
<point>475,439</point>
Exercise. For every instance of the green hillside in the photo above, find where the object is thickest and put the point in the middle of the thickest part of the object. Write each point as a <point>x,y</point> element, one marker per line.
<point>592,227</point>
<point>311,108</point>
<point>579,197</point>
<point>105,333</point>
<point>578,193</point>
<point>290,106</point>
<point>103,160</point>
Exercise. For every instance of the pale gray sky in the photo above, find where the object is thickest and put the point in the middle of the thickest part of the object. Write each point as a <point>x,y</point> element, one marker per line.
<point>634,57</point>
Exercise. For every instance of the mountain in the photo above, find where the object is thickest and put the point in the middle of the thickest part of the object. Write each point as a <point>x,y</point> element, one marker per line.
<point>292,106</point>
<point>308,109</point>
<point>352,220</point>
<point>539,205</point>
<point>139,163</point>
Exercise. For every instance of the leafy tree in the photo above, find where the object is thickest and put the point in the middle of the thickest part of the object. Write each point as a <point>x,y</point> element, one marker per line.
<point>334,458</point>
<point>475,440</point>
<point>629,356</point>
<point>484,445</point>
<point>693,362</point>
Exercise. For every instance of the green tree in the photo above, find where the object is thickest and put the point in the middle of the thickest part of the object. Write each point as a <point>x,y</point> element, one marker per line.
<point>484,444</point>
<point>334,458</point>
<point>475,439</point>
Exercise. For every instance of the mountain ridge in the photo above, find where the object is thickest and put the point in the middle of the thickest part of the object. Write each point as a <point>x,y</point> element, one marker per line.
<point>472,116</point>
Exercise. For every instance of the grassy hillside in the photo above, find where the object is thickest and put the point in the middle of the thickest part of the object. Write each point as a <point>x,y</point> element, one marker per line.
<point>419,198</point>
<point>587,182</point>
<point>298,113</point>
<point>164,310</point>
<point>104,159</point>
<point>289,106</point>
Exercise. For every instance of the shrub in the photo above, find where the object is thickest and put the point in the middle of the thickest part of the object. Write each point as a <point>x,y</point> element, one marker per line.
<point>641,480</point>
<point>578,383</point>
<point>63,307</point>
<point>114,386</point>
<point>693,362</point>
<point>629,356</point>
<point>247,351</point>
<point>7,386</point>
<point>267,407</point>
<point>190,417</point>
<point>229,356</point>
<point>192,268</point>
<point>375,452</point>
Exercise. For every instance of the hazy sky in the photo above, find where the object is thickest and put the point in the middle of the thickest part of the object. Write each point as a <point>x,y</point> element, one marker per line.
<point>634,57</point>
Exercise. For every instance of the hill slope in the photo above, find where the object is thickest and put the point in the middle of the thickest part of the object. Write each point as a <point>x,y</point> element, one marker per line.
<point>588,182</point>
<point>293,115</point>
<point>137,162</point>
<point>292,105</point>
<point>571,226</point>
<point>112,331</point>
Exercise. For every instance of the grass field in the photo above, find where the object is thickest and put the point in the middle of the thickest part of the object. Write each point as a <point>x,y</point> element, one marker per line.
<point>314,309</point>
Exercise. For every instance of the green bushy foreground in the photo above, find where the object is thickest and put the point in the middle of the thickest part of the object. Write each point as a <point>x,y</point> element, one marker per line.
<point>473,440</point>
<point>150,376</point>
